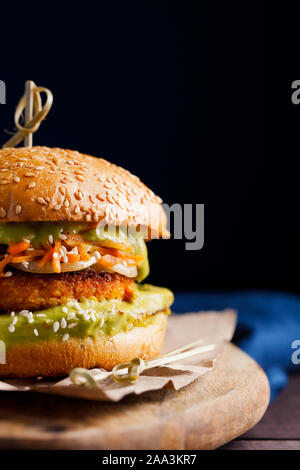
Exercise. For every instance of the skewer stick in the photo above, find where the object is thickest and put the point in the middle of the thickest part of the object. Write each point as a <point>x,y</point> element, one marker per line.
<point>29,86</point>
<point>35,113</point>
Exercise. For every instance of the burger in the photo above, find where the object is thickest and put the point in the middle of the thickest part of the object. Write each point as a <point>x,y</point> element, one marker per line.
<point>72,258</point>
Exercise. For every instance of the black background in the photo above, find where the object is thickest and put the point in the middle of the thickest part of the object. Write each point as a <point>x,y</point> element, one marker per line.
<point>194,98</point>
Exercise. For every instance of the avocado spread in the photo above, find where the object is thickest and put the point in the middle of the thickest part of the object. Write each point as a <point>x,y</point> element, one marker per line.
<point>88,317</point>
<point>38,233</point>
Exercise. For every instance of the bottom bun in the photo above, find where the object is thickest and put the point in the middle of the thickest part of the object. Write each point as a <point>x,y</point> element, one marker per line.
<point>58,358</point>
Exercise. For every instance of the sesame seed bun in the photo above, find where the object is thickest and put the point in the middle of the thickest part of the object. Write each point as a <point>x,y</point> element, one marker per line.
<point>52,184</point>
<point>57,358</point>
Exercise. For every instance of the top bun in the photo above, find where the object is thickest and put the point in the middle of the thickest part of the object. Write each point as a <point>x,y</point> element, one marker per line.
<point>52,184</point>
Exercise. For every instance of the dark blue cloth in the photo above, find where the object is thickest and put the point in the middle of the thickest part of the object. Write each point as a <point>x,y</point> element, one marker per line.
<point>268,323</point>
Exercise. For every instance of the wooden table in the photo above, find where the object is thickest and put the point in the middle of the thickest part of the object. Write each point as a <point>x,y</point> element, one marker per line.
<point>279,428</point>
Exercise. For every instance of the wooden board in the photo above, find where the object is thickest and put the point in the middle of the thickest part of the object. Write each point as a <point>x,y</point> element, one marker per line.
<point>213,410</point>
<point>280,426</point>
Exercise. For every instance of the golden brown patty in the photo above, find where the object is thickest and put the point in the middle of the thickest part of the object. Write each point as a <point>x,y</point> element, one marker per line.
<point>38,291</point>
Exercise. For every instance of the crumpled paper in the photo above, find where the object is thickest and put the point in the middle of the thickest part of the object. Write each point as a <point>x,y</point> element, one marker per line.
<point>211,327</point>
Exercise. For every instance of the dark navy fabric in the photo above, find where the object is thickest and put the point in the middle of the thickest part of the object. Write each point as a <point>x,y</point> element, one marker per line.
<point>268,324</point>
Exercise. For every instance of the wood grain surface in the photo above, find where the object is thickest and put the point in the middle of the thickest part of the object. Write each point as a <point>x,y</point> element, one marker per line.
<point>211,411</point>
<point>280,427</point>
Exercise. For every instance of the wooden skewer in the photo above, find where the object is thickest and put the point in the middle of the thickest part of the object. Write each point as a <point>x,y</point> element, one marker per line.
<point>29,86</point>
<point>35,113</point>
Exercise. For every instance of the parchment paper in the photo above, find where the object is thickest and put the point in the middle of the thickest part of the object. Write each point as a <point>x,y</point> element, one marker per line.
<point>211,327</point>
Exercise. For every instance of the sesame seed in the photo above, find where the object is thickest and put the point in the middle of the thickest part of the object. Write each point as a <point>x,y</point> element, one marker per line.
<point>15,319</point>
<point>56,326</point>
<point>71,316</point>
<point>50,239</point>
<point>12,314</point>
<point>2,212</point>
<point>39,377</point>
<point>42,315</point>
<point>62,236</point>
<point>57,207</point>
<point>66,259</point>
<point>93,317</point>
<point>17,179</point>
<point>64,310</point>
<point>31,185</point>
<point>18,210</point>
<point>72,325</point>
<point>47,199</point>
<point>8,274</point>
<point>63,323</point>
<point>109,199</point>
<point>29,174</point>
<point>24,312</point>
<point>36,332</point>
<point>39,168</point>
<point>42,201</point>
<point>11,328</point>
<point>97,254</point>
<point>55,255</point>
<point>66,337</point>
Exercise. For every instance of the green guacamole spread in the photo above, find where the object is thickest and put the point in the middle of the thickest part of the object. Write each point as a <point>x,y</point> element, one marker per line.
<point>38,233</point>
<point>88,317</point>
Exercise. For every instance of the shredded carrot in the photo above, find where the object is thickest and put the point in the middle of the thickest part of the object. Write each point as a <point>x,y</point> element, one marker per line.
<point>85,256</point>
<point>17,248</point>
<point>46,258</point>
<point>119,254</point>
<point>135,258</point>
<point>73,258</point>
<point>82,247</point>
<point>102,250</point>
<point>4,262</point>
<point>115,245</point>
